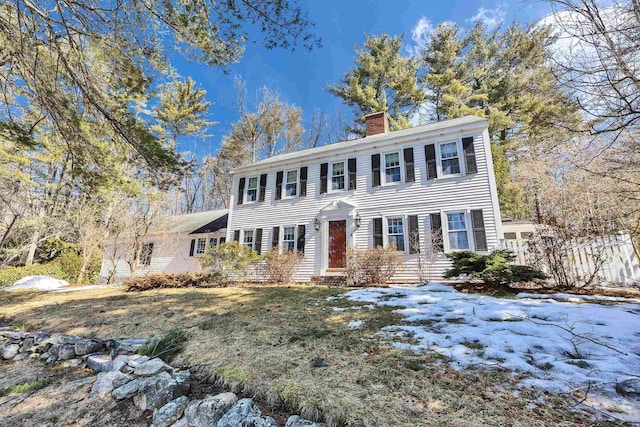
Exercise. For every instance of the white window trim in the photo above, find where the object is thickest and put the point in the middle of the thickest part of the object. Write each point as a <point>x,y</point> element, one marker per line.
<point>246,190</point>
<point>284,183</point>
<point>445,230</point>
<point>383,167</point>
<point>253,242</point>
<point>330,177</point>
<point>405,231</point>
<point>461,159</point>
<point>281,238</point>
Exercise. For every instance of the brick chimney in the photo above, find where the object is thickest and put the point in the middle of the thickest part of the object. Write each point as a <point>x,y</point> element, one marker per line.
<point>376,123</point>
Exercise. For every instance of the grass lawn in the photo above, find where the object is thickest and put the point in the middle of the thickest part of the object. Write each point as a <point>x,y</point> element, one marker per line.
<point>290,346</point>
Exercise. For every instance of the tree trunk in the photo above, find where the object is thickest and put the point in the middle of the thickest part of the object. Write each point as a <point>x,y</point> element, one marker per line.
<point>33,245</point>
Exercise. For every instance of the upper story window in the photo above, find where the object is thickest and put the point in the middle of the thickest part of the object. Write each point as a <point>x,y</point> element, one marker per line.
<point>248,239</point>
<point>458,231</point>
<point>289,239</point>
<point>337,176</point>
<point>449,158</point>
<point>252,189</point>
<point>392,169</point>
<point>291,185</point>
<point>395,232</point>
<point>145,254</point>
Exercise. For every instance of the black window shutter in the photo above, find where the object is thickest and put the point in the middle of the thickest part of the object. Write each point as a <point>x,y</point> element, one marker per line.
<point>414,235</point>
<point>263,187</point>
<point>479,234</point>
<point>257,244</point>
<point>236,235</point>
<point>430,154</point>
<point>351,163</point>
<point>279,185</point>
<point>436,232</point>
<point>222,240</point>
<point>303,181</point>
<point>469,155</point>
<point>375,169</point>
<point>409,171</point>
<point>193,247</point>
<point>240,190</point>
<point>324,170</point>
<point>301,231</point>
<point>275,237</point>
<point>377,232</point>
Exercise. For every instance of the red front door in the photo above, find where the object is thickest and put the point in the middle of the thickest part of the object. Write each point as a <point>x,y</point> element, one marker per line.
<point>337,244</point>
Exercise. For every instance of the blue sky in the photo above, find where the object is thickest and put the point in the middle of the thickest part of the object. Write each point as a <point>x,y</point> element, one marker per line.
<point>302,76</point>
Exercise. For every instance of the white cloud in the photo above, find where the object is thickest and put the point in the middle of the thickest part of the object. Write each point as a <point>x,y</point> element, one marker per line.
<point>420,35</point>
<point>491,18</point>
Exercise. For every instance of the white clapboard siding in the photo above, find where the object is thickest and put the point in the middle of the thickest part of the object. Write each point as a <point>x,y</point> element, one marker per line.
<point>620,264</point>
<point>421,198</point>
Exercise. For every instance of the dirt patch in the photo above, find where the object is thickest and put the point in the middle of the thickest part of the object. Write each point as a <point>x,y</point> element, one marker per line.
<point>63,402</point>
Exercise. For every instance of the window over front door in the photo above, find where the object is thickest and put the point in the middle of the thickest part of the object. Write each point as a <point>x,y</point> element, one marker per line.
<point>449,158</point>
<point>252,189</point>
<point>291,186</point>
<point>392,169</point>
<point>337,176</point>
<point>395,233</point>
<point>458,231</point>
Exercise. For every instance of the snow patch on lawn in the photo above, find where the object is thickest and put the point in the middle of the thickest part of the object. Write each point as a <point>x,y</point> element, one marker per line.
<point>564,342</point>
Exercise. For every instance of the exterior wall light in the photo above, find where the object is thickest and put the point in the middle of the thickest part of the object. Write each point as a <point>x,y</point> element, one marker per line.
<point>316,224</point>
<point>358,220</point>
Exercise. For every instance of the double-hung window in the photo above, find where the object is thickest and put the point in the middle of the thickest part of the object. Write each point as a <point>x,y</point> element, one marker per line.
<point>145,254</point>
<point>458,231</point>
<point>291,186</point>
<point>395,232</point>
<point>289,239</point>
<point>392,169</point>
<point>337,176</point>
<point>252,189</point>
<point>248,239</point>
<point>449,158</point>
<point>201,246</point>
<point>213,242</point>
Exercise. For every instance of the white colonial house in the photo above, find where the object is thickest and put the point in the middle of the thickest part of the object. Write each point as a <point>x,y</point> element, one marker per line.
<point>174,244</point>
<point>401,188</point>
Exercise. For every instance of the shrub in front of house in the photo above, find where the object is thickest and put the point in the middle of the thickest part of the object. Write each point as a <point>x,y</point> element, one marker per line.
<point>180,280</point>
<point>280,267</point>
<point>368,266</point>
<point>496,269</point>
<point>230,261</point>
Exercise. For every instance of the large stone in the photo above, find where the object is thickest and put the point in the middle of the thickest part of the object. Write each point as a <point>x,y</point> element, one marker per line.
<point>170,413</point>
<point>66,352</point>
<point>296,421</point>
<point>82,347</point>
<point>9,351</point>
<point>106,382</point>
<point>20,356</point>
<point>99,363</point>
<point>14,336</point>
<point>243,411</point>
<point>39,337</point>
<point>162,388</point>
<point>59,339</point>
<point>182,422</point>
<point>27,345</point>
<point>151,367</point>
<point>136,360</point>
<point>128,390</point>
<point>207,412</point>
<point>125,346</point>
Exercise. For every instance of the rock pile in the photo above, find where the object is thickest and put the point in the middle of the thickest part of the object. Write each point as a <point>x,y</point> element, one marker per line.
<point>150,382</point>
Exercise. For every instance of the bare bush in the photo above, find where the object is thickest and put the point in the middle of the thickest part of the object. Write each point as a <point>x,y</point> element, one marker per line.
<point>279,267</point>
<point>367,266</point>
<point>427,254</point>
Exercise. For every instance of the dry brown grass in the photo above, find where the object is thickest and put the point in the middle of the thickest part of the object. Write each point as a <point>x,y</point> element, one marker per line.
<point>287,346</point>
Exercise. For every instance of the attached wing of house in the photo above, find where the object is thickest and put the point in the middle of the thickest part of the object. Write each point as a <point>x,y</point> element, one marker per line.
<point>174,244</point>
<point>426,190</point>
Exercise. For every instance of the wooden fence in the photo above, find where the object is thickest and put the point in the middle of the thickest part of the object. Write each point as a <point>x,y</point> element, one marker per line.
<point>612,256</point>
